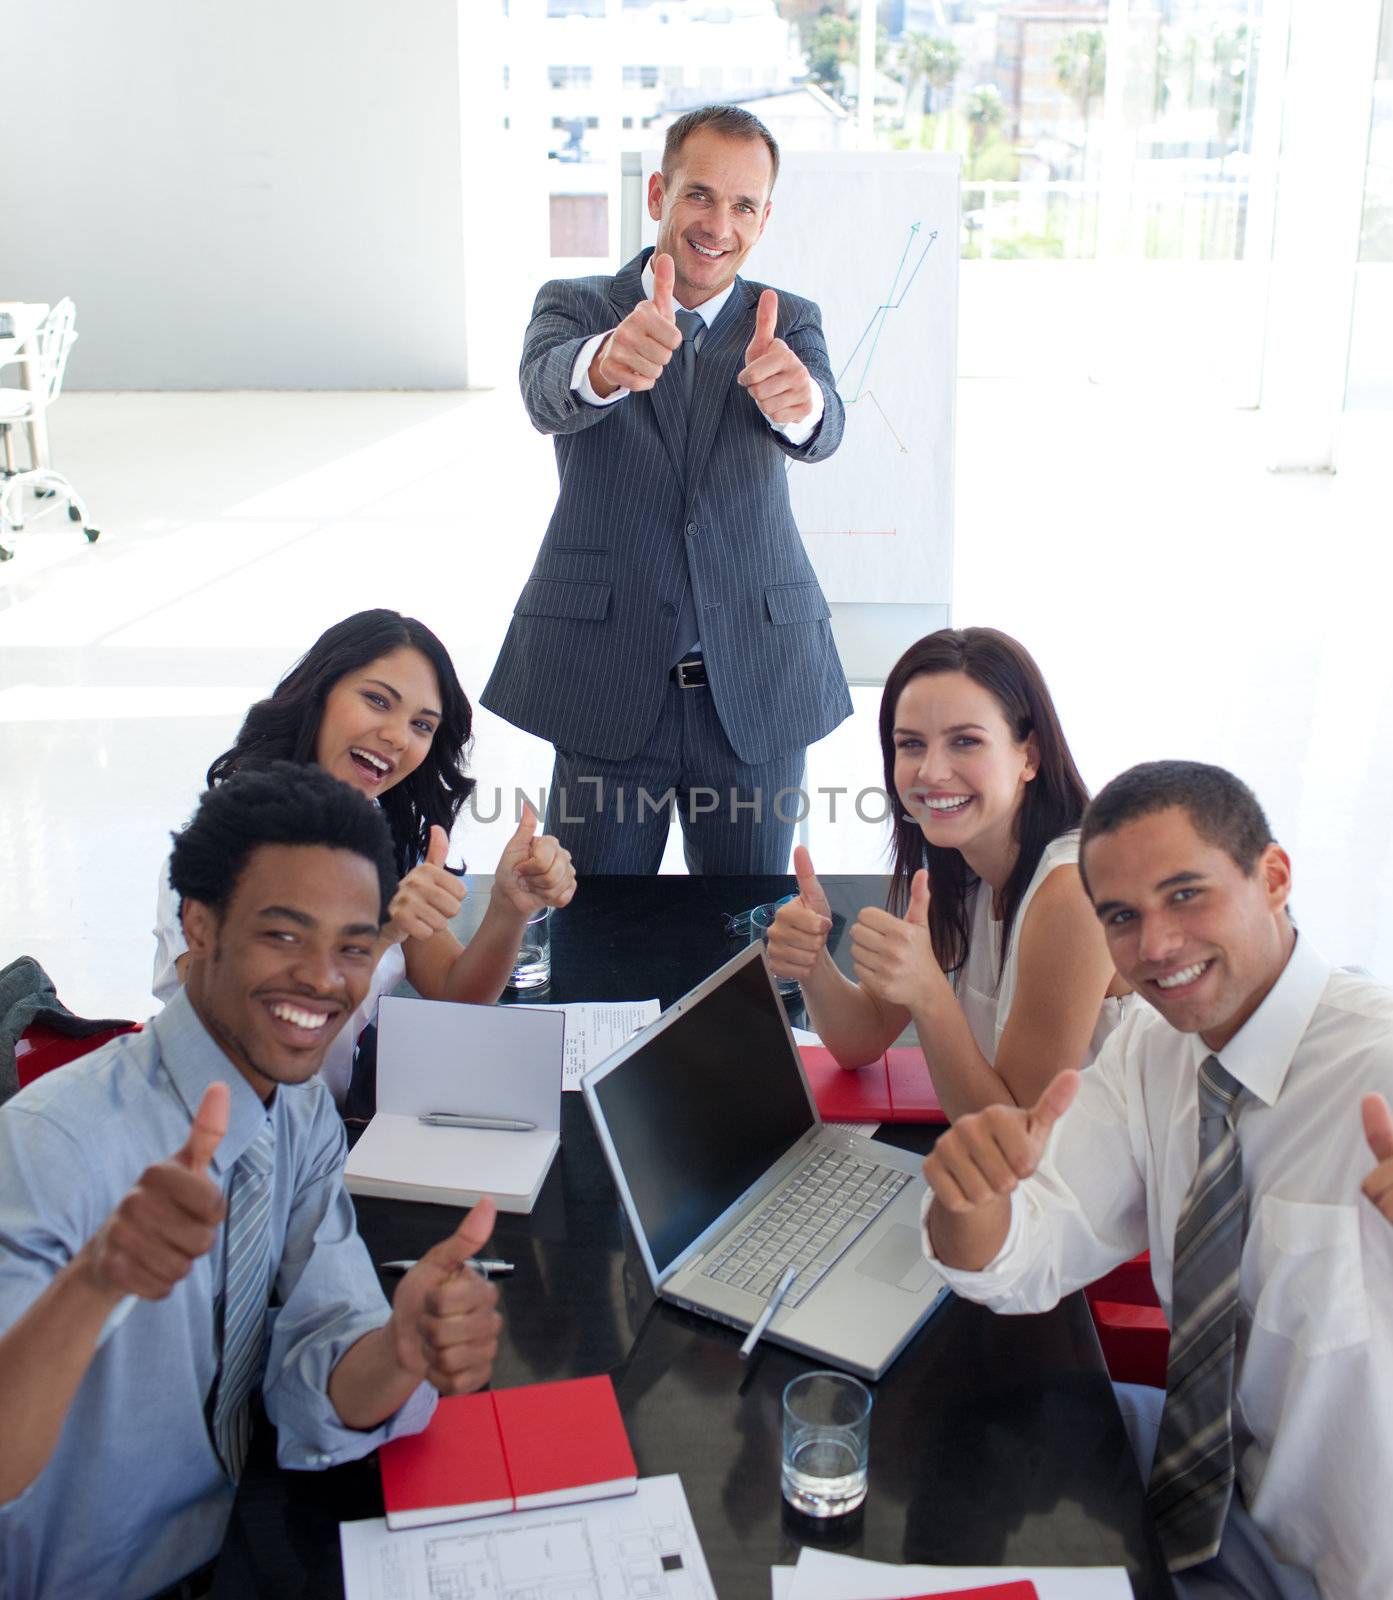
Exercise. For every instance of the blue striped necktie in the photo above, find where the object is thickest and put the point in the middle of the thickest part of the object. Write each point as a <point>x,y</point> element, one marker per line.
<point>1192,1475</point>
<point>246,1293</point>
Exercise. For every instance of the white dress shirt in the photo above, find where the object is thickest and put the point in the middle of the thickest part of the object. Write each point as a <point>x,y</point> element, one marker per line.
<point>797,433</point>
<point>1313,1413</point>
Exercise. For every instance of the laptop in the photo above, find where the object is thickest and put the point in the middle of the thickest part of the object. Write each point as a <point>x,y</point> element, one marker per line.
<point>728,1176</point>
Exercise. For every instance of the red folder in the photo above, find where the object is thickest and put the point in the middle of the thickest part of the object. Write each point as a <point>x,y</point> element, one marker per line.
<point>1020,1589</point>
<point>895,1087</point>
<point>509,1450</point>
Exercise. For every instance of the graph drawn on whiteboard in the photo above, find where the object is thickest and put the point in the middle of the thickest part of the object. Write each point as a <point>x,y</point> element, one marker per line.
<point>871,238</point>
<point>859,391</point>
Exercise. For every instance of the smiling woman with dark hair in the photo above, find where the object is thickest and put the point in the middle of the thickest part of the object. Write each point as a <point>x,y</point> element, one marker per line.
<point>989,943</point>
<point>376,702</point>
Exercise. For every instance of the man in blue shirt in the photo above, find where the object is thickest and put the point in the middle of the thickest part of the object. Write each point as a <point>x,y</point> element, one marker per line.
<point>135,1328</point>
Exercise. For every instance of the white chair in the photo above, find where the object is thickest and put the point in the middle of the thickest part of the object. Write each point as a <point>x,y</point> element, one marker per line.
<point>54,339</point>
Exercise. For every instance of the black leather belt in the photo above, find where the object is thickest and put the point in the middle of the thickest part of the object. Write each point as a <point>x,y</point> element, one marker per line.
<point>690,673</point>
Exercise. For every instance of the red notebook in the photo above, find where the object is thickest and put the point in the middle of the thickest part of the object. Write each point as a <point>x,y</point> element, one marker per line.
<point>545,1444</point>
<point>1020,1589</point>
<point>896,1087</point>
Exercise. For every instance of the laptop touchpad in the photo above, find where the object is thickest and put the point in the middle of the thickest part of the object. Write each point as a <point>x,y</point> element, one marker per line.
<point>898,1259</point>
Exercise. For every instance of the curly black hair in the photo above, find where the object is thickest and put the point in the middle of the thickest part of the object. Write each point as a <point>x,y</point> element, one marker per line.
<point>283,802</point>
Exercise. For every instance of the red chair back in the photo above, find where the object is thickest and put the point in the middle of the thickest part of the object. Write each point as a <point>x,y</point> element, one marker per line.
<point>1131,1325</point>
<point>49,1049</point>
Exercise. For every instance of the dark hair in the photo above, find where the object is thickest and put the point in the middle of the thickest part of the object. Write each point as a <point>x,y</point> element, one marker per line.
<point>733,121</point>
<point>1052,804</point>
<point>285,727</point>
<point>280,803</point>
<point>1223,809</point>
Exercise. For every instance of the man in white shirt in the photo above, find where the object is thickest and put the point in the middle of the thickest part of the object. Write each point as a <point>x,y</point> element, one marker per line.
<point>672,640</point>
<point>1290,1449</point>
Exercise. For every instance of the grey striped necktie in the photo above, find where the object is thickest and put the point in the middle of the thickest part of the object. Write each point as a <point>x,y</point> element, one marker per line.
<point>1192,1475</point>
<point>245,1297</point>
<point>691,325</point>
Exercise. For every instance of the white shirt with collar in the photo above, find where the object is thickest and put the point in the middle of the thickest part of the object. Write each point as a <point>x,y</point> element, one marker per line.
<point>797,433</point>
<point>1313,1416</point>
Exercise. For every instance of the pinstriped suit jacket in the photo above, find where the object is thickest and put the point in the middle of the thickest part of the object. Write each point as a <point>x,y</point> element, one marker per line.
<point>648,505</point>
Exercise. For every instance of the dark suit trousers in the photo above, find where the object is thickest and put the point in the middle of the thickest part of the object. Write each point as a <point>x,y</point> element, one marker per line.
<point>613,816</point>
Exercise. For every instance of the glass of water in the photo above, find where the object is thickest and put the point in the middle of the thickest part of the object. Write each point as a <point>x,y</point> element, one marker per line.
<point>827,1435</point>
<point>532,969</point>
<point>761,920</point>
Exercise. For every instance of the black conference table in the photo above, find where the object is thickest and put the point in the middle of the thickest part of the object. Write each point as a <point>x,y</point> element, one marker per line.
<point>994,1440</point>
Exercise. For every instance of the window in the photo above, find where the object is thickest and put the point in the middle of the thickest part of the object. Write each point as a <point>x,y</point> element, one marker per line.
<point>575,8</point>
<point>569,77</point>
<point>640,77</point>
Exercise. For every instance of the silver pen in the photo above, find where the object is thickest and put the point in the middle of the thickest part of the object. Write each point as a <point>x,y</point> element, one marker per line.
<point>483,1264</point>
<point>775,1301</point>
<point>461,1119</point>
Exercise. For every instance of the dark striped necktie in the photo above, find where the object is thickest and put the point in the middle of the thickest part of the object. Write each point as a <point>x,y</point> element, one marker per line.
<point>691,325</point>
<point>1192,1475</point>
<point>247,1271</point>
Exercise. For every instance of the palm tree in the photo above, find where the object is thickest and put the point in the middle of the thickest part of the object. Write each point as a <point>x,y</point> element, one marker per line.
<point>985,110</point>
<point>925,59</point>
<point>1080,68</point>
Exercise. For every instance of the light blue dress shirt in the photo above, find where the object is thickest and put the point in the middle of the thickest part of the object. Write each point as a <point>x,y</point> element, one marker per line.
<point>134,1495</point>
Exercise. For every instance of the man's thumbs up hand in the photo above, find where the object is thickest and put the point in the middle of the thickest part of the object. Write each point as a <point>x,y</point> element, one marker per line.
<point>984,1155</point>
<point>779,383</point>
<point>168,1220</point>
<point>445,1321</point>
<point>635,354</point>
<point>1378,1130</point>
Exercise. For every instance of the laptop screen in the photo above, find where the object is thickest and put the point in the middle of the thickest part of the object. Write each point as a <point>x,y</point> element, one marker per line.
<point>704,1108</point>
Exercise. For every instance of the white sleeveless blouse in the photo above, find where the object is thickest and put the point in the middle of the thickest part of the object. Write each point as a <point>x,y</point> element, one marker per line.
<point>985,991</point>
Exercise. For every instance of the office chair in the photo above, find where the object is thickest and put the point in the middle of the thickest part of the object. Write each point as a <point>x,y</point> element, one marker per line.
<point>17,406</point>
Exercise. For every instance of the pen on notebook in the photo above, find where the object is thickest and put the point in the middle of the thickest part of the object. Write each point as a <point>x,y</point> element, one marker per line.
<point>776,1299</point>
<point>484,1264</point>
<point>461,1119</point>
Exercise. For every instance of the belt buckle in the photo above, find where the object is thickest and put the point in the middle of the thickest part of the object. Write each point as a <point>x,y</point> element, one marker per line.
<point>697,669</point>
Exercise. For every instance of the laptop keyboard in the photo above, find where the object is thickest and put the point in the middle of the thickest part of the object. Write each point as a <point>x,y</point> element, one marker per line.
<point>819,1213</point>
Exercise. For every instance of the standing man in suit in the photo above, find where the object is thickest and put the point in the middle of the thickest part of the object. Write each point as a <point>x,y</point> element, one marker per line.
<point>672,641</point>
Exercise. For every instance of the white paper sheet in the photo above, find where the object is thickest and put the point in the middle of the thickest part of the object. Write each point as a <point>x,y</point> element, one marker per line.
<point>820,1575</point>
<point>780,1582</point>
<point>638,1544</point>
<point>596,1028</point>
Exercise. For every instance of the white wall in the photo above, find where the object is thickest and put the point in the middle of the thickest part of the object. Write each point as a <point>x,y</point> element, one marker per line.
<point>239,193</point>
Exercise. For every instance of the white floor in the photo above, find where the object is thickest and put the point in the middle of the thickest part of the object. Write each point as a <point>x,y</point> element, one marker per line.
<point>1181,600</point>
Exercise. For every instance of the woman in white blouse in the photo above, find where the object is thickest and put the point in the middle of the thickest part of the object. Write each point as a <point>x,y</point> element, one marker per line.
<point>376,701</point>
<point>989,944</point>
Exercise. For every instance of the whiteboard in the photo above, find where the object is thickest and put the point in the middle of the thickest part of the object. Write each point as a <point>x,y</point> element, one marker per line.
<point>872,237</point>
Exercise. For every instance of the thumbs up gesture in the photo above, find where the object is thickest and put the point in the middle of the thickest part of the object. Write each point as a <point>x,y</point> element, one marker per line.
<point>534,871</point>
<point>168,1219</point>
<point>427,897</point>
<point>779,383</point>
<point>634,355</point>
<point>799,932</point>
<point>984,1155</point>
<point>1378,1130</point>
<point>893,956</point>
<point>445,1322</point>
